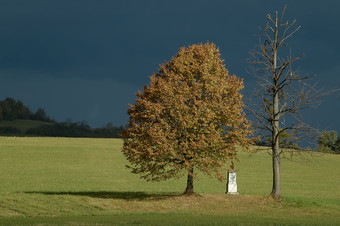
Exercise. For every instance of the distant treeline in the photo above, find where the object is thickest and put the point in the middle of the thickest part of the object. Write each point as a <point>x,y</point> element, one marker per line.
<point>81,129</point>
<point>11,110</point>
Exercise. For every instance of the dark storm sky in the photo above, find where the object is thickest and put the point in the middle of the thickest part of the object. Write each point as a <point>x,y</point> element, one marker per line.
<point>85,60</point>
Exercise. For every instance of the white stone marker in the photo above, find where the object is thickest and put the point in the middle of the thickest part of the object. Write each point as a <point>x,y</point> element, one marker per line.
<point>231,184</point>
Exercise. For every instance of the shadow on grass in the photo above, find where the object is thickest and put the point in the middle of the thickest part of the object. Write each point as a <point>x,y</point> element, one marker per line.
<point>111,195</point>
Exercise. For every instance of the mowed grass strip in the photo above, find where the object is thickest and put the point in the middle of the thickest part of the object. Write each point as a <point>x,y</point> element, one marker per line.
<point>63,179</point>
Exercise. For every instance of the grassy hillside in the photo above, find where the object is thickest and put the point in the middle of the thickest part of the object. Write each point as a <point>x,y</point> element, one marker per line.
<point>68,180</point>
<point>33,128</point>
<point>23,125</point>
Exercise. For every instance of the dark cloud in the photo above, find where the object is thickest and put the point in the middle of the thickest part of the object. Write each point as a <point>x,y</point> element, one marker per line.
<point>85,59</point>
<point>97,101</point>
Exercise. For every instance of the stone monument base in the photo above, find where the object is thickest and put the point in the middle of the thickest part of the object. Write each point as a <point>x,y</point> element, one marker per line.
<point>232,189</point>
<point>231,184</point>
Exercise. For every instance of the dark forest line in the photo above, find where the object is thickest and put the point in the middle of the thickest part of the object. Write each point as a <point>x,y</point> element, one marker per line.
<point>14,114</point>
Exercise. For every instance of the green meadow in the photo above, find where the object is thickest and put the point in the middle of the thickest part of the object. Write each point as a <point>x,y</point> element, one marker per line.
<point>22,125</point>
<point>83,181</point>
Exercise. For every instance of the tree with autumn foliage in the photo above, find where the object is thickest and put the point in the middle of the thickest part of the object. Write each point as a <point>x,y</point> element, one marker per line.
<point>188,118</point>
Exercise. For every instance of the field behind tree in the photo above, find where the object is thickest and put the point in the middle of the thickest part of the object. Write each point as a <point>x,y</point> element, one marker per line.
<point>83,180</point>
<point>21,125</point>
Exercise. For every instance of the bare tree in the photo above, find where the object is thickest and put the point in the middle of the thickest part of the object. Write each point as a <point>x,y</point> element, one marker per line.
<point>283,93</point>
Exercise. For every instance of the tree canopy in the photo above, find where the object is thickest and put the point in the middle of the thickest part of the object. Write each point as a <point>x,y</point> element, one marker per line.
<point>189,116</point>
<point>329,142</point>
<point>11,109</point>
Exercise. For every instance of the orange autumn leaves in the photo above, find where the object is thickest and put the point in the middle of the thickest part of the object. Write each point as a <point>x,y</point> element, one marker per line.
<point>189,116</point>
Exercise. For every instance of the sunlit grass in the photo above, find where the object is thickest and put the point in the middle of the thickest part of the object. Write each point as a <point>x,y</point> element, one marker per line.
<point>63,178</point>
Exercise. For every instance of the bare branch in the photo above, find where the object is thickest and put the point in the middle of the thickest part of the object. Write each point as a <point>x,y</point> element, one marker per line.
<point>283,13</point>
<point>283,39</point>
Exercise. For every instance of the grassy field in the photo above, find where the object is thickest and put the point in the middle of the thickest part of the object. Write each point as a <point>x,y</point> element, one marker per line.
<point>23,125</point>
<point>78,181</point>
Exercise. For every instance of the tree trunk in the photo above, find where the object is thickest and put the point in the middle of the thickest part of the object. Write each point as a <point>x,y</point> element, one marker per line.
<point>275,147</point>
<point>190,182</point>
<point>276,193</point>
<point>275,121</point>
<point>276,190</point>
